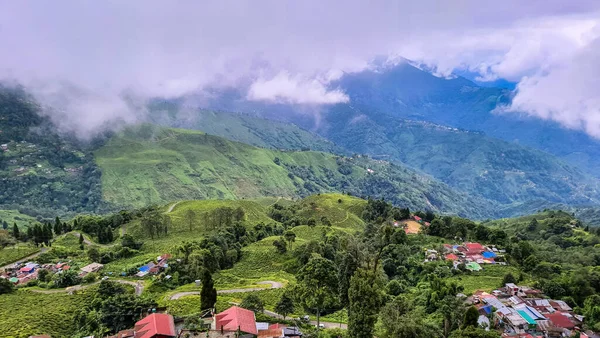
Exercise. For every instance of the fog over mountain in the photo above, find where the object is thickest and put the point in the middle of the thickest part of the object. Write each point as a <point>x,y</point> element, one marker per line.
<point>95,63</point>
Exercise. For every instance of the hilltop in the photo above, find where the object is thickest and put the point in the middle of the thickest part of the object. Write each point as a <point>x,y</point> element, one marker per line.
<point>239,127</point>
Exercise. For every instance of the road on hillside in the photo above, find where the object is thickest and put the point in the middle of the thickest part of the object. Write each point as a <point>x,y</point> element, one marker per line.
<point>139,287</point>
<point>272,284</point>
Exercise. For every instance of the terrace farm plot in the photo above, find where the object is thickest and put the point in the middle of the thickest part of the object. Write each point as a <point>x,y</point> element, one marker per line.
<point>25,313</point>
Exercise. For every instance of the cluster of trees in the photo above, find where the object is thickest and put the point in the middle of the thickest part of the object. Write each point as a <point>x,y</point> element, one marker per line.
<point>114,308</point>
<point>369,274</point>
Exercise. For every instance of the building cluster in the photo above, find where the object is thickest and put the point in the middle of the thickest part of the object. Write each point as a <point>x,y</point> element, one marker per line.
<point>523,313</point>
<point>22,273</point>
<point>473,255</point>
<point>234,322</point>
<point>154,268</point>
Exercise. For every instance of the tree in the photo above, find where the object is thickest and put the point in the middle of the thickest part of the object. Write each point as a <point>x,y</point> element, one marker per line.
<point>15,231</point>
<point>253,302</point>
<point>127,241</point>
<point>93,254</point>
<point>6,286</point>
<point>311,222</point>
<point>43,275</point>
<point>81,239</point>
<point>280,245</point>
<point>57,226</point>
<point>186,248</point>
<point>66,278</point>
<point>471,317</point>
<point>4,225</point>
<point>317,285</point>
<point>290,237</point>
<point>532,225</point>
<point>208,294</point>
<point>366,295</point>
<point>285,305</point>
<point>508,278</point>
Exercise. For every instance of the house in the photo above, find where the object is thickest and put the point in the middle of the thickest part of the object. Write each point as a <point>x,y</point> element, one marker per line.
<point>451,257</point>
<point>94,267</point>
<point>156,325</point>
<point>4,147</point>
<point>474,248</point>
<point>29,268</point>
<point>417,218</point>
<point>280,331</point>
<point>561,321</point>
<point>511,288</point>
<point>233,319</point>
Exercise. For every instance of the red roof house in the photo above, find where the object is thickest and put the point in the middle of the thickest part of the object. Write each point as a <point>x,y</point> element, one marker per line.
<point>236,318</point>
<point>561,321</point>
<point>417,218</point>
<point>451,257</point>
<point>156,325</point>
<point>475,248</point>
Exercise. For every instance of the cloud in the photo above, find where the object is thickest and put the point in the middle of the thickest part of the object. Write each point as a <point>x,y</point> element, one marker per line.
<point>283,88</point>
<point>119,53</point>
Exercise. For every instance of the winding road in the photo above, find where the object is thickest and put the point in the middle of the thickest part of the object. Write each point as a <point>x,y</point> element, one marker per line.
<point>273,285</point>
<point>139,287</point>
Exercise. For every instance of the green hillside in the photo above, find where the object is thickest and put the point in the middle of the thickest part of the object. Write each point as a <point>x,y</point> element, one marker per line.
<point>512,175</point>
<point>240,127</point>
<point>42,172</point>
<point>151,165</point>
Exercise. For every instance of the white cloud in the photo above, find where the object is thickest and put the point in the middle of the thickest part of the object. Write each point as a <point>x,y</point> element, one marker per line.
<point>290,51</point>
<point>284,88</point>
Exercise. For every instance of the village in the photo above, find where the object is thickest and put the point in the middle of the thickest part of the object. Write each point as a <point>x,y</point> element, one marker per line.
<point>524,312</point>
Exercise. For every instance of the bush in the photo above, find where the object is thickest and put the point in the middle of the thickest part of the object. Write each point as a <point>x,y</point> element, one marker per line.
<point>90,278</point>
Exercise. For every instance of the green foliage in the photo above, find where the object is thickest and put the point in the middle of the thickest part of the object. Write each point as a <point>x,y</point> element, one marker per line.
<point>66,278</point>
<point>170,164</point>
<point>285,305</point>
<point>317,285</point>
<point>366,298</point>
<point>6,286</point>
<point>208,295</point>
<point>471,317</point>
<point>253,302</point>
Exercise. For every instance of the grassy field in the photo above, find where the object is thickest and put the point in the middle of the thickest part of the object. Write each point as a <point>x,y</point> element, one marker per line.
<point>13,216</point>
<point>14,253</point>
<point>487,279</point>
<point>25,313</point>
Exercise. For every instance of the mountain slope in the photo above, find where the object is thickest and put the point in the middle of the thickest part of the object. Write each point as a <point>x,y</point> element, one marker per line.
<point>147,165</point>
<point>407,92</point>
<point>42,172</point>
<point>472,162</point>
<point>239,127</point>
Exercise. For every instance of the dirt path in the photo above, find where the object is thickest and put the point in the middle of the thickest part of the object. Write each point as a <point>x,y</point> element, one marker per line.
<point>139,287</point>
<point>172,207</point>
<point>87,240</point>
<point>273,285</point>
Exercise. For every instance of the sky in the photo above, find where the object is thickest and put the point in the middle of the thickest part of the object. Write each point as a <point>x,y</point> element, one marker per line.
<point>95,62</point>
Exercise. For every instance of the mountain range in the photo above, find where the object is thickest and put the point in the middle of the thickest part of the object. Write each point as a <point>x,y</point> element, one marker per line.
<point>432,143</point>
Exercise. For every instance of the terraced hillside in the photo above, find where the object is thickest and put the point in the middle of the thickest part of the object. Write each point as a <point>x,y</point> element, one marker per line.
<point>151,165</point>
